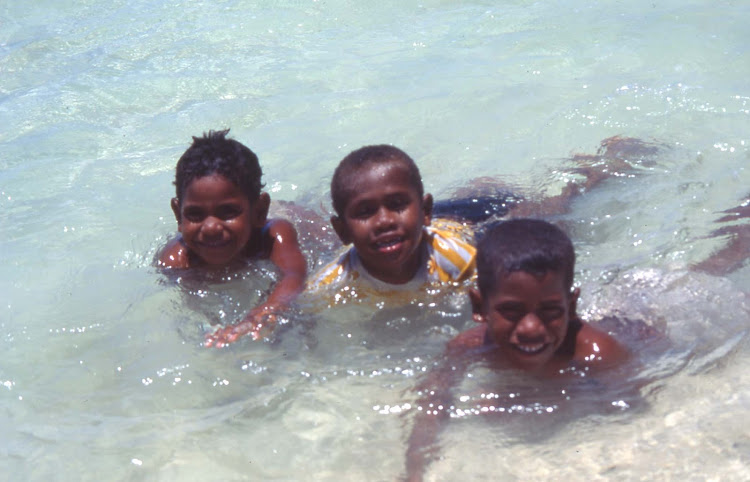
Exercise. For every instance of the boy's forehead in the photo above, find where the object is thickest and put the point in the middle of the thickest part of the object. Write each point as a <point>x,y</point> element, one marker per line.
<point>211,185</point>
<point>505,280</point>
<point>375,174</point>
<point>379,164</point>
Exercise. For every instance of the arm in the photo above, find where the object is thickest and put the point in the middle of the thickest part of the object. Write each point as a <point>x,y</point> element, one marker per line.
<point>429,420</point>
<point>436,390</point>
<point>286,255</point>
<point>615,157</point>
<point>486,197</point>
<point>732,256</point>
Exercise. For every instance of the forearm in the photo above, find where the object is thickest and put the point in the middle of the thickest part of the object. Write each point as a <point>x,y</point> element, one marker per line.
<point>422,444</point>
<point>283,293</point>
<point>432,412</point>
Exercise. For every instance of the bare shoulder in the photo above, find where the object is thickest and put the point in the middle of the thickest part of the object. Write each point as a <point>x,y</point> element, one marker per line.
<point>281,227</point>
<point>471,338</point>
<point>285,250</point>
<point>596,347</point>
<point>174,255</point>
<point>282,238</point>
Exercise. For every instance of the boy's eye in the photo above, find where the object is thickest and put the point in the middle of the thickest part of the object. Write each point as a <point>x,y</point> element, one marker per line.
<point>550,313</point>
<point>228,212</point>
<point>363,211</point>
<point>511,312</point>
<point>194,215</point>
<point>398,203</point>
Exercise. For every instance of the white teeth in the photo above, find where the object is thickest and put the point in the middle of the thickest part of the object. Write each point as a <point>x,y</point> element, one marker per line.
<point>386,244</point>
<point>531,348</point>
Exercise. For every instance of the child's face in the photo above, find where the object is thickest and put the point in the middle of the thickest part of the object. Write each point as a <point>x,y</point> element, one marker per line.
<point>384,221</point>
<point>527,316</point>
<point>216,219</point>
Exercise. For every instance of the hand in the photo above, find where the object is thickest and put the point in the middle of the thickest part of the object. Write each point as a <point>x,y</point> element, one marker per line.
<point>258,323</point>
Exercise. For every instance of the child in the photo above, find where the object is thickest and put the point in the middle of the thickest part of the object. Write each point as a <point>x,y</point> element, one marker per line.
<point>526,303</point>
<point>382,210</point>
<point>526,307</point>
<point>222,219</point>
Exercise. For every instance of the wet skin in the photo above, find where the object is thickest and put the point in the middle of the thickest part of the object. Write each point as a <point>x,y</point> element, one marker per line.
<point>527,317</point>
<point>221,226</point>
<point>216,220</point>
<point>384,220</point>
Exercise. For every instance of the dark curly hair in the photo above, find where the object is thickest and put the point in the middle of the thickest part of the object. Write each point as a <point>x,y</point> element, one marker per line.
<point>215,154</point>
<point>341,183</point>
<point>529,245</point>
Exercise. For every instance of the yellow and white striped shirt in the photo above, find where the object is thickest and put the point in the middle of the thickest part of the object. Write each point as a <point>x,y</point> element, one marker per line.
<point>448,252</point>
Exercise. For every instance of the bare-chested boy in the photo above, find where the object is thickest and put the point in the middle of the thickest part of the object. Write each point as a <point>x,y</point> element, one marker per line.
<point>525,305</point>
<point>222,218</point>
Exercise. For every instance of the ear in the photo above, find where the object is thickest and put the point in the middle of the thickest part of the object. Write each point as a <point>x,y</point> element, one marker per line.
<point>477,308</point>
<point>342,230</point>
<point>573,303</point>
<point>176,210</point>
<point>260,210</point>
<point>427,208</point>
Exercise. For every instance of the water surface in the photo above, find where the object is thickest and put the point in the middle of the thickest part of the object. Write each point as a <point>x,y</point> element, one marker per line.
<point>103,373</point>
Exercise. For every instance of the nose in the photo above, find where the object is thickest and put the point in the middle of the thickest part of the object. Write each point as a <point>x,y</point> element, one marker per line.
<point>385,219</point>
<point>530,327</point>
<point>211,226</point>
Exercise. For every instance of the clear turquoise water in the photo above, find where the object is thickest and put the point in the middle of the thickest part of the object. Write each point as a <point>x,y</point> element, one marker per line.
<point>102,372</point>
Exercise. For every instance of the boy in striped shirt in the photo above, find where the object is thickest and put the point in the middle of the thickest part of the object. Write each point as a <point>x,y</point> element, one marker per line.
<point>383,212</point>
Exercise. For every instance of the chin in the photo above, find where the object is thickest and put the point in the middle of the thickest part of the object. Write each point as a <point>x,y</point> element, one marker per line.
<point>530,363</point>
<point>217,262</point>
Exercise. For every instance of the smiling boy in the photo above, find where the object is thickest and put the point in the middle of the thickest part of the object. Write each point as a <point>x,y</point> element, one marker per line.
<point>525,305</point>
<point>222,219</point>
<point>382,210</point>
<point>526,302</point>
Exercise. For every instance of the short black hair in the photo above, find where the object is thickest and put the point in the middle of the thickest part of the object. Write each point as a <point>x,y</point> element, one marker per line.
<point>530,245</point>
<point>341,183</point>
<point>214,153</point>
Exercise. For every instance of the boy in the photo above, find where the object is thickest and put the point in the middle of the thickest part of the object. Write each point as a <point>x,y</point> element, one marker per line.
<point>526,307</point>
<point>382,210</point>
<point>222,220</point>
<point>526,303</point>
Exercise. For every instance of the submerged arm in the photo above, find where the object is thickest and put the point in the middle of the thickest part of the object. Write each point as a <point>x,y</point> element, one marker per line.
<point>433,407</point>
<point>286,255</point>
<point>737,250</point>
<point>616,157</point>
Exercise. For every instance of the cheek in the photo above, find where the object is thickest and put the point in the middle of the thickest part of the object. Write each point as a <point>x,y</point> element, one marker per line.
<point>187,228</point>
<point>359,229</point>
<point>243,229</point>
<point>416,229</point>
<point>500,331</point>
<point>559,330</point>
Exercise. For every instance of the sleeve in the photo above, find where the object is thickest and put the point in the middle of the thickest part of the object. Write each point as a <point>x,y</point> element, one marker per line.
<point>452,257</point>
<point>332,273</point>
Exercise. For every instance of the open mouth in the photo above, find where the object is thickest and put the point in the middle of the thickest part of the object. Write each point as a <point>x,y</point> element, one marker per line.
<point>215,244</point>
<point>389,245</point>
<point>531,349</point>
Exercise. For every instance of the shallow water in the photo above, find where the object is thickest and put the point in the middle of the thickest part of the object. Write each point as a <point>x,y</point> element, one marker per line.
<point>102,373</point>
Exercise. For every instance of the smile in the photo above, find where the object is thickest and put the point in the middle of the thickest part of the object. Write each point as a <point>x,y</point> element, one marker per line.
<point>217,244</point>
<point>389,245</point>
<point>531,349</point>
